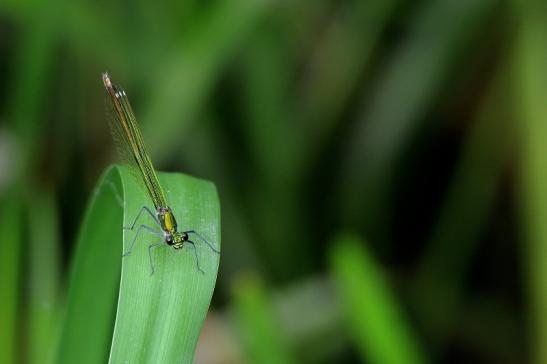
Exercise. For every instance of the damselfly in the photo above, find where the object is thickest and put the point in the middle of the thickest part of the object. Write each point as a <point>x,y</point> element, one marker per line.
<point>130,142</point>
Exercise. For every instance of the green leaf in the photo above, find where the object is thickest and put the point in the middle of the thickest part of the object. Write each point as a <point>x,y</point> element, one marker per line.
<point>374,317</point>
<point>11,242</point>
<point>159,317</point>
<point>43,302</point>
<point>530,89</point>
<point>260,331</point>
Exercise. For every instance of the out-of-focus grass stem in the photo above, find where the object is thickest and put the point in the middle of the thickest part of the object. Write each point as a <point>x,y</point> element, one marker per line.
<point>11,229</point>
<point>44,265</point>
<point>531,95</point>
<point>259,328</point>
<point>374,318</point>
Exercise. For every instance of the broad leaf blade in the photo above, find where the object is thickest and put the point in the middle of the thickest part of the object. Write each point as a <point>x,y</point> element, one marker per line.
<point>93,288</point>
<point>159,317</point>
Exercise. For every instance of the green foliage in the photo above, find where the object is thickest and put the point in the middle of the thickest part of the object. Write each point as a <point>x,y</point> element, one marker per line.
<point>11,224</point>
<point>531,87</point>
<point>372,313</point>
<point>43,306</point>
<point>389,119</point>
<point>158,318</point>
<point>257,323</point>
<point>411,81</point>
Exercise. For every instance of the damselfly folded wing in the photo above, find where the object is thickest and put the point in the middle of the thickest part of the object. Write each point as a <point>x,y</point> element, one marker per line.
<point>129,141</point>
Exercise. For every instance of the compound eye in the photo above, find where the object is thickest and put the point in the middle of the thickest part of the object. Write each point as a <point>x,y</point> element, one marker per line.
<point>169,239</point>
<point>184,237</point>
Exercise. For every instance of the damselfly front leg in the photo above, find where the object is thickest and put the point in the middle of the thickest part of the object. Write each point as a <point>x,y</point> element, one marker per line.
<point>142,226</point>
<point>186,238</point>
<point>188,232</point>
<point>196,255</point>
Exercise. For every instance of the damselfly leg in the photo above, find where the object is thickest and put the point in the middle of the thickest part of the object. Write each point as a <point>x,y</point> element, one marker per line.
<point>142,226</point>
<point>202,239</point>
<point>196,255</point>
<point>143,209</point>
<point>183,237</point>
<point>149,229</point>
<point>150,247</point>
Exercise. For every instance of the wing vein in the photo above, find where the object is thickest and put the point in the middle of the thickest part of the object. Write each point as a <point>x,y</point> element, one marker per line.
<point>130,143</point>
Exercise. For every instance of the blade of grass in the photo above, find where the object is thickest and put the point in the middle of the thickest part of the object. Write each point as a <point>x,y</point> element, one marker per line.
<point>266,79</point>
<point>11,229</point>
<point>44,277</point>
<point>259,328</point>
<point>374,317</point>
<point>93,288</point>
<point>531,88</point>
<point>158,317</point>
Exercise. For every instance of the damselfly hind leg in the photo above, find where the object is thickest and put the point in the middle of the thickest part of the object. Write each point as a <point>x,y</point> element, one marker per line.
<point>142,226</point>
<point>143,209</point>
<point>149,229</point>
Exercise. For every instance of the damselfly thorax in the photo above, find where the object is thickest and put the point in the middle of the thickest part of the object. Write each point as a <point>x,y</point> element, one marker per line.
<point>168,224</point>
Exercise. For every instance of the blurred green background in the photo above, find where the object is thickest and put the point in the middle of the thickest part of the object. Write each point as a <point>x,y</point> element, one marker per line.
<point>381,165</point>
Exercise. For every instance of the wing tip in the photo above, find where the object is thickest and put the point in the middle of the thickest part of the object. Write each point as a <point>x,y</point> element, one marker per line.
<point>106,80</point>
